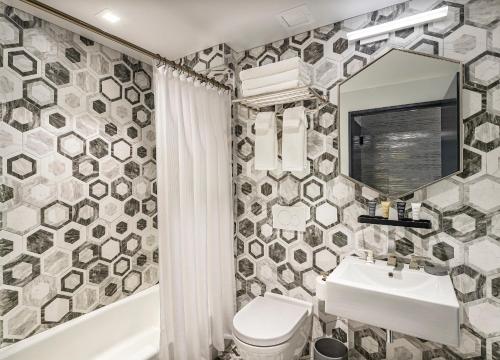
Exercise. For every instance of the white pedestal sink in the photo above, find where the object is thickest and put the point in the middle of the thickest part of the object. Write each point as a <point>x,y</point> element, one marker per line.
<point>410,301</point>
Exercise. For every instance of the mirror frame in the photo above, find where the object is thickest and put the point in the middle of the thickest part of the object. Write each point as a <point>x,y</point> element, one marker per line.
<point>460,122</point>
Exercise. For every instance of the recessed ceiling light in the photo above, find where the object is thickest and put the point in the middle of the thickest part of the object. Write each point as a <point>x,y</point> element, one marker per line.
<point>109,16</point>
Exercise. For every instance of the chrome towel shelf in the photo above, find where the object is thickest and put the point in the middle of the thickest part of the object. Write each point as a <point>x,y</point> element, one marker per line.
<point>280,97</point>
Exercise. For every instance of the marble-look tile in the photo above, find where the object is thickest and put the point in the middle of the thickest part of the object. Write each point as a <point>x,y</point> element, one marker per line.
<point>462,209</point>
<point>63,166</point>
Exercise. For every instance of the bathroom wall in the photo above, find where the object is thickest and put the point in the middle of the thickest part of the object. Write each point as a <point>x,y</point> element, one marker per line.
<point>464,209</point>
<point>216,62</point>
<point>77,176</point>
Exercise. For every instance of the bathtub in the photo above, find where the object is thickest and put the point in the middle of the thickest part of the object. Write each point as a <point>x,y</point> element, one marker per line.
<point>128,329</point>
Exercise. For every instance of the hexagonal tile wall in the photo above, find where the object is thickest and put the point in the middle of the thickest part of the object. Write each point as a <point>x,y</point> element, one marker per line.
<point>21,270</point>
<point>465,228</point>
<point>110,89</point>
<point>463,209</point>
<point>22,63</point>
<point>40,93</point>
<point>141,116</point>
<point>121,150</point>
<point>72,281</point>
<point>57,73</point>
<point>22,115</point>
<point>21,166</point>
<point>71,145</point>
<point>72,164</point>
<point>98,147</point>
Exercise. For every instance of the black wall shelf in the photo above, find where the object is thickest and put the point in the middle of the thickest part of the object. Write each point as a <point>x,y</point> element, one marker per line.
<point>379,220</point>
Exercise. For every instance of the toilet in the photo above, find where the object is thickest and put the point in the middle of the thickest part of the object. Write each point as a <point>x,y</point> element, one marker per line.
<point>272,327</point>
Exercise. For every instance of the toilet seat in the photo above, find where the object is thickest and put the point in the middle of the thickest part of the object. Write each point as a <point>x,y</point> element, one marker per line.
<point>269,320</point>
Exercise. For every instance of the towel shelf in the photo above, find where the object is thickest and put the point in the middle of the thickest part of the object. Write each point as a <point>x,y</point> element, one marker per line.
<point>378,220</point>
<point>280,97</point>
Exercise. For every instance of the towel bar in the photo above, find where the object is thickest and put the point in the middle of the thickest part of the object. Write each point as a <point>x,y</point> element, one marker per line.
<point>280,97</point>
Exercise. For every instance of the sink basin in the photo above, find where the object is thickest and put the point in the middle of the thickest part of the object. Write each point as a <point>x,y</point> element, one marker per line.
<point>408,301</point>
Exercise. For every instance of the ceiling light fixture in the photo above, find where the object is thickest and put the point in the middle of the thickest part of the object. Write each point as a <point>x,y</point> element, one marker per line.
<point>406,22</point>
<point>295,17</point>
<point>109,16</point>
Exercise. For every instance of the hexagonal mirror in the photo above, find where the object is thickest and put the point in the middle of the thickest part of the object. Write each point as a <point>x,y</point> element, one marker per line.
<point>399,122</point>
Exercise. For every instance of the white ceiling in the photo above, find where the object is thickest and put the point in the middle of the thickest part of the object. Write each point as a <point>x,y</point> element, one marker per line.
<point>175,28</point>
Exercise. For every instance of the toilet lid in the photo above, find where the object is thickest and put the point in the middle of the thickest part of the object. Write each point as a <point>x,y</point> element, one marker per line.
<point>266,321</point>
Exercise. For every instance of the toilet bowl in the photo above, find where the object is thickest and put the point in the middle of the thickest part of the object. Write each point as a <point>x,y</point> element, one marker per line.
<point>272,327</point>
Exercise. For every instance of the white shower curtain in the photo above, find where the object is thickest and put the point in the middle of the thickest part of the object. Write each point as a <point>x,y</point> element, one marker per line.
<point>195,220</point>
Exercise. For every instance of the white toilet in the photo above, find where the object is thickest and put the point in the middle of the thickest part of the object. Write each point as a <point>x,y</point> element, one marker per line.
<point>272,327</point>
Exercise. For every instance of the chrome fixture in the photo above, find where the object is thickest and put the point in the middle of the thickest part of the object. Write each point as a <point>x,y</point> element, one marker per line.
<point>392,260</point>
<point>303,93</point>
<point>397,263</point>
<point>417,262</point>
<point>368,255</point>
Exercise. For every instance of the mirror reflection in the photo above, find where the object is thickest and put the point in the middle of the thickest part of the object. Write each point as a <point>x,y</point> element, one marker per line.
<point>400,125</point>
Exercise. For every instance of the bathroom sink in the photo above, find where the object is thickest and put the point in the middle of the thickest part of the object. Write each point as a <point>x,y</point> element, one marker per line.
<point>408,301</point>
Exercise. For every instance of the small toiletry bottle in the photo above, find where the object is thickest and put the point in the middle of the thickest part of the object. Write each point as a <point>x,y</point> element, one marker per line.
<point>415,211</point>
<point>386,205</point>
<point>401,205</point>
<point>372,207</point>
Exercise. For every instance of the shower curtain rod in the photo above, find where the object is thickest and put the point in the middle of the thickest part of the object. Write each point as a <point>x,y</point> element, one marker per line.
<point>119,40</point>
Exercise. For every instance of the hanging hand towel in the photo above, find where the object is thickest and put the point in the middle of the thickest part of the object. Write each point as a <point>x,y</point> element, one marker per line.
<point>279,78</point>
<point>266,141</point>
<point>294,146</point>
<point>271,69</point>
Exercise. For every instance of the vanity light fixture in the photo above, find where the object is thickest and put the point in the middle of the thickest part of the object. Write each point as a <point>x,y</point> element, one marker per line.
<point>109,16</point>
<point>378,32</point>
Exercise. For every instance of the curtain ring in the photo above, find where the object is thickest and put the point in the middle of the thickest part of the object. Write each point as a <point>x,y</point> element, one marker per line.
<point>159,60</point>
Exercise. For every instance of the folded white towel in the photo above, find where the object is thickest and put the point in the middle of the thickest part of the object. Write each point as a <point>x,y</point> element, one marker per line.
<point>271,69</point>
<point>294,143</point>
<point>295,74</point>
<point>266,141</point>
<point>272,88</point>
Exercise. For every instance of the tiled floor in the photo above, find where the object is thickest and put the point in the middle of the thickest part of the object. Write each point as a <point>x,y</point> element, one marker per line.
<point>231,353</point>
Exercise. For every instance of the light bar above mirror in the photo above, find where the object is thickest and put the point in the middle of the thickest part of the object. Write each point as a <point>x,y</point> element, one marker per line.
<point>406,22</point>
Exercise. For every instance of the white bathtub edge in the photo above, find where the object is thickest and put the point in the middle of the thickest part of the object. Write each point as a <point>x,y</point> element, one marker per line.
<point>12,349</point>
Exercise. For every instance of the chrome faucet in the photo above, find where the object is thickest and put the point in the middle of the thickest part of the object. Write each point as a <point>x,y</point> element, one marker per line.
<point>393,260</point>
<point>368,255</point>
<point>417,262</point>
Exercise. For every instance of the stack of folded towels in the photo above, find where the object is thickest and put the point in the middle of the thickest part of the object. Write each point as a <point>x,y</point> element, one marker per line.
<point>282,75</point>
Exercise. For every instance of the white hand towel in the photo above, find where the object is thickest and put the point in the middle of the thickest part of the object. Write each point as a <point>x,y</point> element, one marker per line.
<point>272,88</point>
<point>279,78</point>
<point>294,145</point>
<point>266,141</point>
<point>271,69</point>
